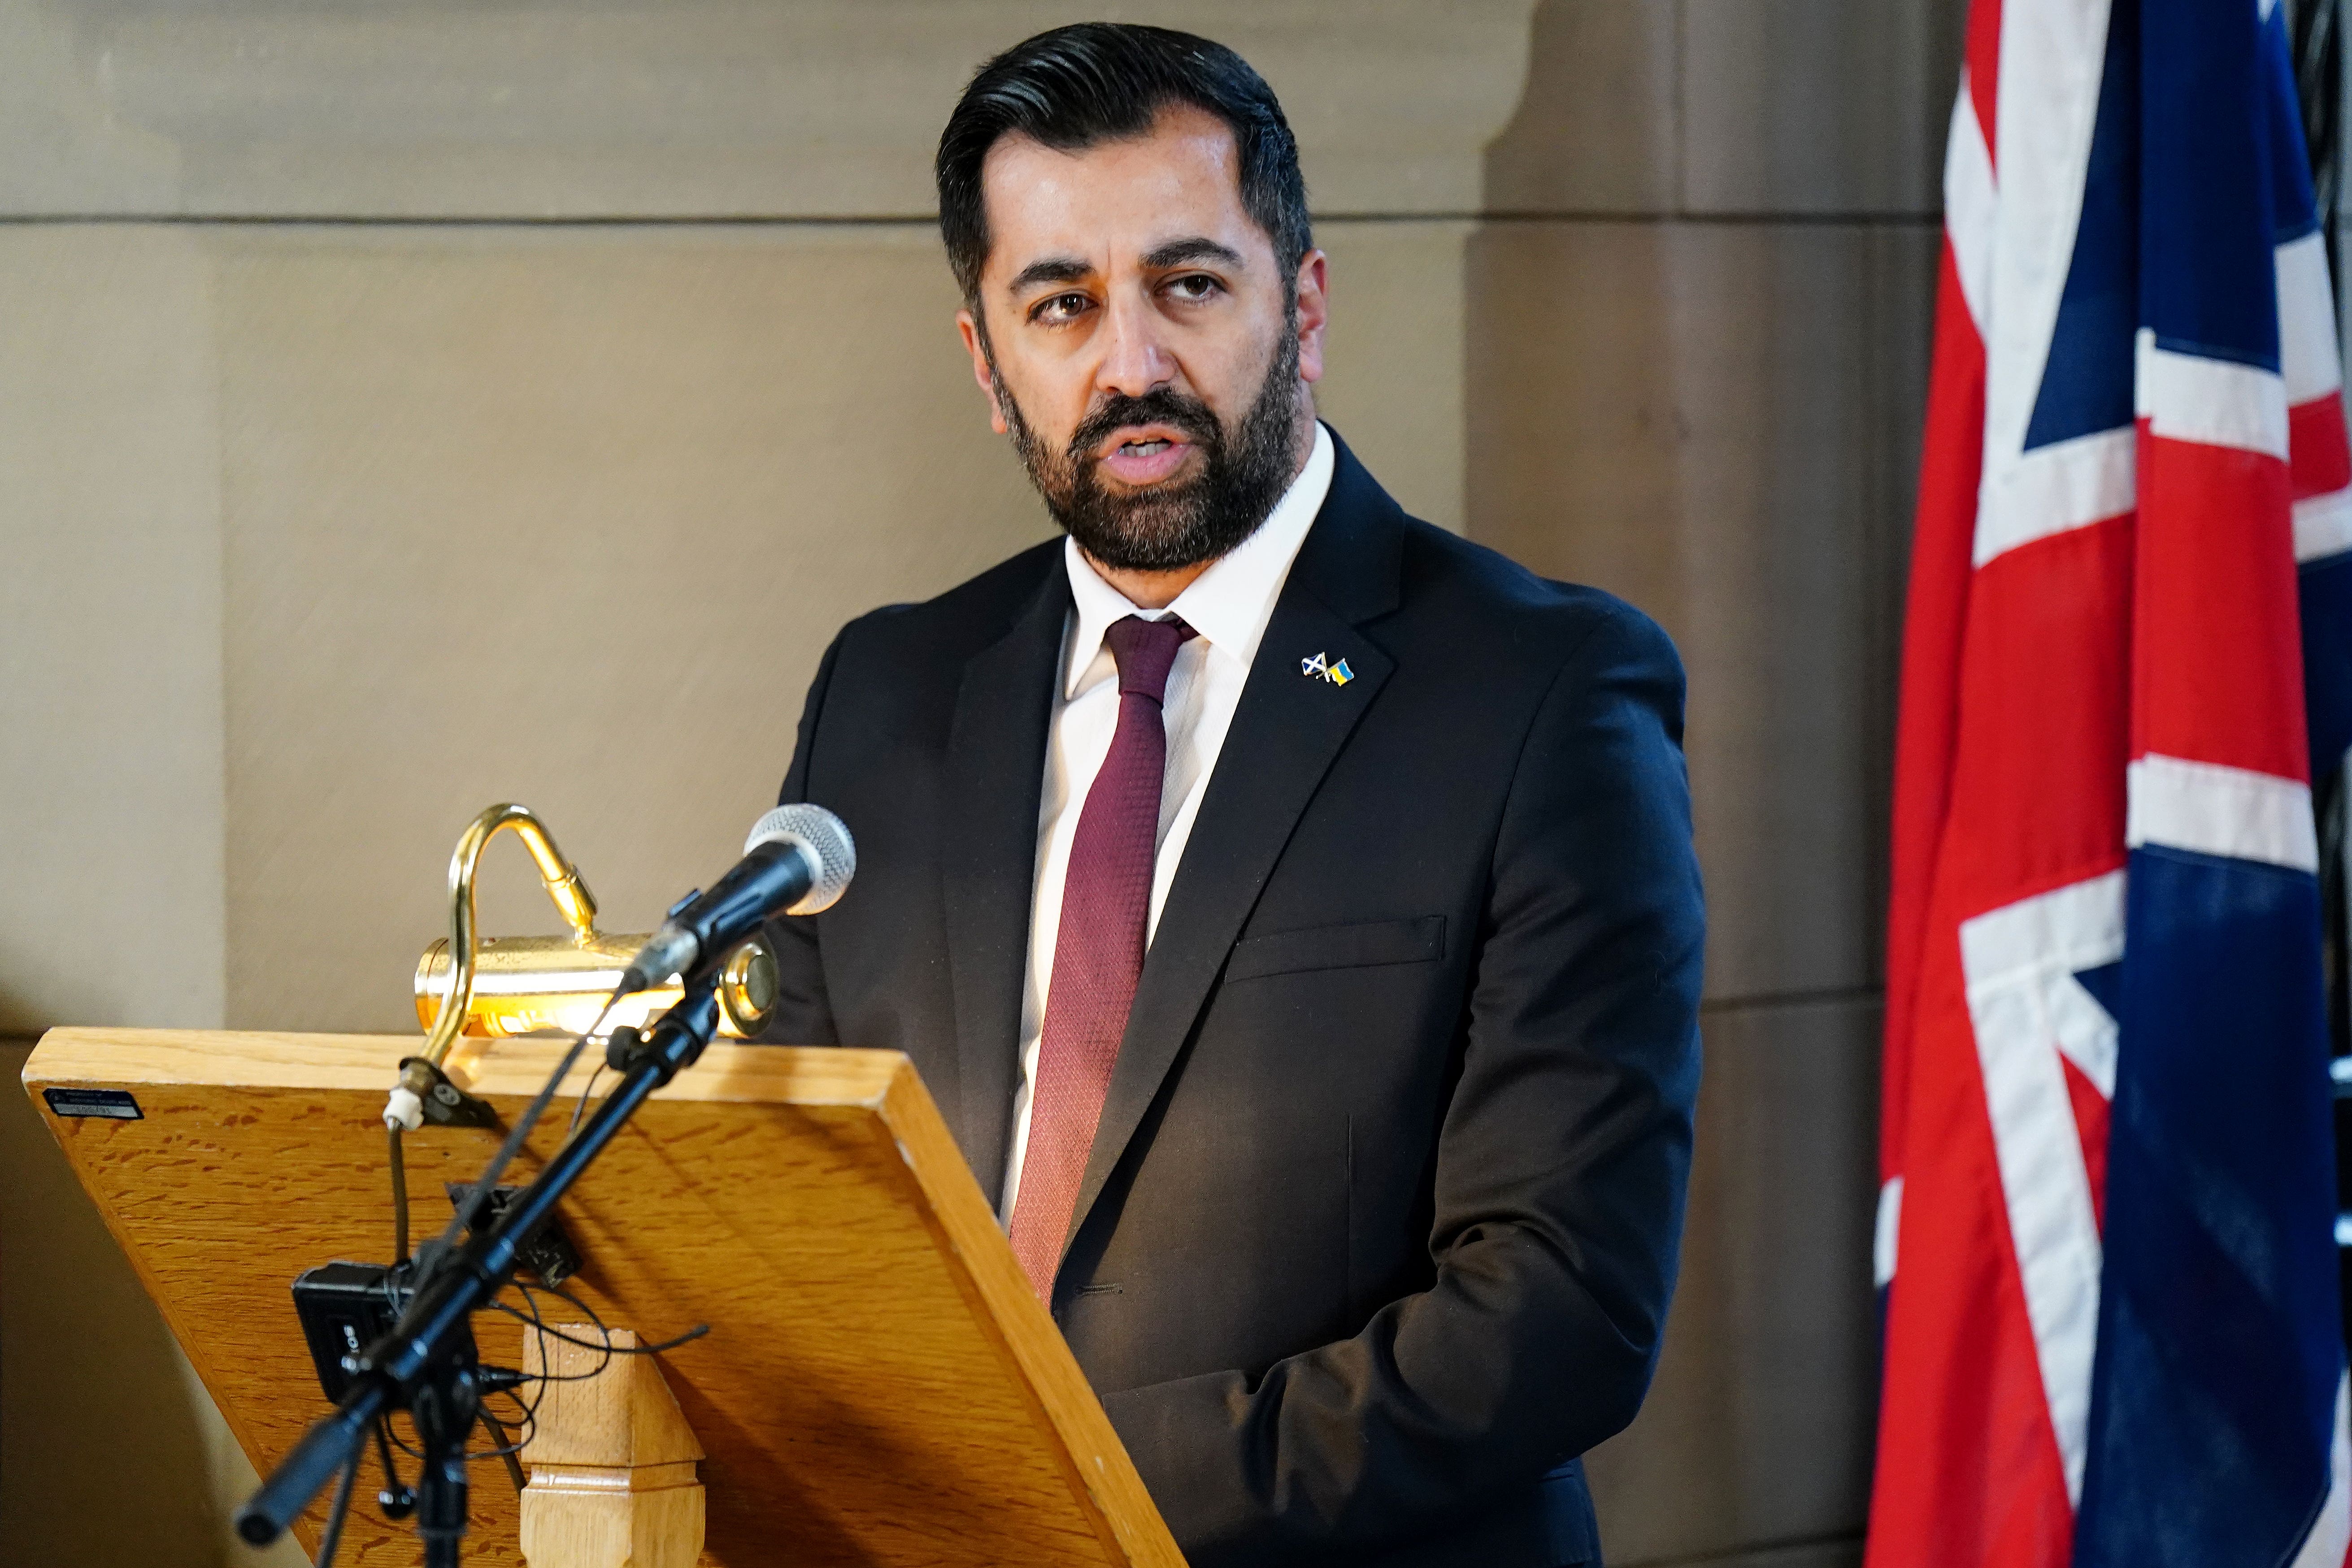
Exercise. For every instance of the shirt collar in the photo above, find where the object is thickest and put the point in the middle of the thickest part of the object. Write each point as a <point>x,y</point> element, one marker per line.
<point>1230,603</point>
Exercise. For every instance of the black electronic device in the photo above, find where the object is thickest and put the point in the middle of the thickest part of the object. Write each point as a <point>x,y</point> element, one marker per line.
<point>344,1309</point>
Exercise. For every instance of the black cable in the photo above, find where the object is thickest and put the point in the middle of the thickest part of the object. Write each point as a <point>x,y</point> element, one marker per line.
<point>574,1125</point>
<point>610,1349</point>
<point>525,1423</point>
<point>539,1326</point>
<point>506,1450</point>
<point>397,1500</point>
<point>401,1443</point>
<point>463,1219</point>
<point>399,1199</point>
<point>332,1536</point>
<point>530,1422</point>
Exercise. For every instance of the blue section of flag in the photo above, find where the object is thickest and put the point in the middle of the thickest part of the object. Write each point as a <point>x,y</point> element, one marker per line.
<point>2086,386</point>
<point>2206,200</point>
<point>2214,1394</point>
<point>2106,985</point>
<point>2326,599</point>
<point>2220,1344</point>
<point>2293,209</point>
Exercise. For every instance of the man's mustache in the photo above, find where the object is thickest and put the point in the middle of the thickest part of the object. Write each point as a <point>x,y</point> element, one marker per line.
<point>1158,406</point>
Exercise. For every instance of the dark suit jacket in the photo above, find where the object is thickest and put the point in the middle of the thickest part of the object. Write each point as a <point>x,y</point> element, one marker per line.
<point>1380,1223</point>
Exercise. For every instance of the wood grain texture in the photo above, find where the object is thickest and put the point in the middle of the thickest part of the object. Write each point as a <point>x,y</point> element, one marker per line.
<point>612,1412</point>
<point>613,1481</point>
<point>879,1385</point>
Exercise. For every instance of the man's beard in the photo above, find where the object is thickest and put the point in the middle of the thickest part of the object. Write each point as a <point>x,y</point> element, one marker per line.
<point>1181,522</point>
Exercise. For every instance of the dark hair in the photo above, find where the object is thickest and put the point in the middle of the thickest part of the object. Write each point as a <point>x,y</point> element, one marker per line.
<point>1074,87</point>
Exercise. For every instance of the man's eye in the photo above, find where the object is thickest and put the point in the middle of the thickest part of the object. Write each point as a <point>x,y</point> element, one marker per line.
<point>1060,308</point>
<point>1193,286</point>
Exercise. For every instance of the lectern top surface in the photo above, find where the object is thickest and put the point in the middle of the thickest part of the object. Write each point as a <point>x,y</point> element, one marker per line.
<point>878,1385</point>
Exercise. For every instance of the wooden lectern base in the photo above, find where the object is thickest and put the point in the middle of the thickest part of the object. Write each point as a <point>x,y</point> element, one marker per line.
<point>612,1461</point>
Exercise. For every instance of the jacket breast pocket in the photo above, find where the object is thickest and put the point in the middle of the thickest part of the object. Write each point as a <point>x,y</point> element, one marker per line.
<point>1356,946</point>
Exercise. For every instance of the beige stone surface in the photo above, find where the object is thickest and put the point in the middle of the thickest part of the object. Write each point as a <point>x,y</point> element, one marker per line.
<point>111,802</point>
<point>1596,128</point>
<point>700,108</point>
<point>1392,384</point>
<point>1817,106</point>
<point>1759,1426</point>
<point>1720,423</point>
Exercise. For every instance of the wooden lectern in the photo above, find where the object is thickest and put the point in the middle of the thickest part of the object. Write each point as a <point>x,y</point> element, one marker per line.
<point>879,1385</point>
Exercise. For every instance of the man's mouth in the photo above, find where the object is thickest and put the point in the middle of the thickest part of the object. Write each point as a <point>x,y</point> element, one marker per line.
<point>1140,440</point>
<point>1144,455</point>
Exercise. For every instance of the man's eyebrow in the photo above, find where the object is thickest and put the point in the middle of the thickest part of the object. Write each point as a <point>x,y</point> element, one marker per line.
<point>1052,269</point>
<point>1197,248</point>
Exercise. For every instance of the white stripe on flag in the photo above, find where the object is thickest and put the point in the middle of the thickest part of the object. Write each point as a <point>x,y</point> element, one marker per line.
<point>2213,402</point>
<point>2323,525</point>
<point>2052,54</point>
<point>2210,809</point>
<point>2055,488</point>
<point>2024,1005</point>
<point>1971,205</point>
<point>1888,1231</point>
<point>2308,361</point>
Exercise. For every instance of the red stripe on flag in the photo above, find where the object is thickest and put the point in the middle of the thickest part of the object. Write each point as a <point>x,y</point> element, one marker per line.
<point>1942,539</point>
<point>1984,69</point>
<point>1968,1473</point>
<point>2318,457</point>
<point>2218,648</point>
<point>2038,775</point>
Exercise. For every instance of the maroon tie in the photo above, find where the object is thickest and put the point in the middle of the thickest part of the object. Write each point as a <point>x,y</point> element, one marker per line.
<point>1098,952</point>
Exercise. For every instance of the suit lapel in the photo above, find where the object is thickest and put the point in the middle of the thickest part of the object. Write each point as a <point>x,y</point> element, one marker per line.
<point>994,772</point>
<point>1285,734</point>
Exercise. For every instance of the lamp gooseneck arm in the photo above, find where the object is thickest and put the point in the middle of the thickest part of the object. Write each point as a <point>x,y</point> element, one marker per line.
<point>565,889</point>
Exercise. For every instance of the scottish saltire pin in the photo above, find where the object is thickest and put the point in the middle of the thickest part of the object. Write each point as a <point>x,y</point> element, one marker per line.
<point>1320,666</point>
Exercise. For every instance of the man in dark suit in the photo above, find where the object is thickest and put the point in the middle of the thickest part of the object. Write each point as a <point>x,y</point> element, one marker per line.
<point>1290,905</point>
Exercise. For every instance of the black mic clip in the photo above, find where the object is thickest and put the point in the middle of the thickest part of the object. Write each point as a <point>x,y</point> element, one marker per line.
<point>675,1042</point>
<point>444,1103</point>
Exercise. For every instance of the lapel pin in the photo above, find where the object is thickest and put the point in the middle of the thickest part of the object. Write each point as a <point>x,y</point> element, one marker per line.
<point>1320,667</point>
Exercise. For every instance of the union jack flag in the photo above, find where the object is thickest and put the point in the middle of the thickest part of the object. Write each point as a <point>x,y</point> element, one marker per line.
<point>2105,1230</point>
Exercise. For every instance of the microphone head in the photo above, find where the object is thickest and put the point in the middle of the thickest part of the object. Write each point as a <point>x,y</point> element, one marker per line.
<point>823,838</point>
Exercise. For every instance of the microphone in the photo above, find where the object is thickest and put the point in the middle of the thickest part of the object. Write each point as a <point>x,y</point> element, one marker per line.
<point>797,860</point>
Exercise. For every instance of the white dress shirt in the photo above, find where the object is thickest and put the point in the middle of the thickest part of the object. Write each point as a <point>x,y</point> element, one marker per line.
<point>1228,605</point>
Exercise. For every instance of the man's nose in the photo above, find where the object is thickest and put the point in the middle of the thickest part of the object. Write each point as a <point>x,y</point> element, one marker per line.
<point>1134,358</point>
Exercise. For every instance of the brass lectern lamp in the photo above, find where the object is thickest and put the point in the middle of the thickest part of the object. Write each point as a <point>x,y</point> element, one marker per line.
<point>501,987</point>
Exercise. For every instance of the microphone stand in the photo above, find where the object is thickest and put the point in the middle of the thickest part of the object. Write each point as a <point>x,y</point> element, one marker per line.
<point>426,1364</point>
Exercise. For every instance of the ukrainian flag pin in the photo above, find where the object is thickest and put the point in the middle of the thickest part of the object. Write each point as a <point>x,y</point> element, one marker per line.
<point>1320,667</point>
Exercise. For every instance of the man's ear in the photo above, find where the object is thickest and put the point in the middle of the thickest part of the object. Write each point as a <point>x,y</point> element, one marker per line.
<point>968,325</point>
<point>1314,312</point>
